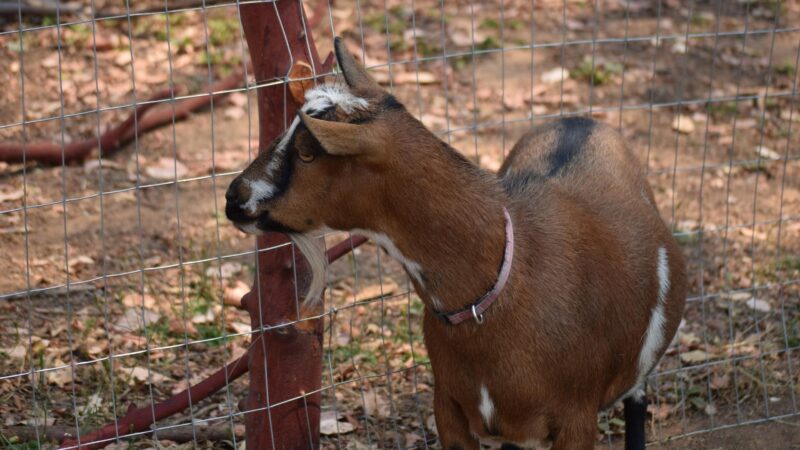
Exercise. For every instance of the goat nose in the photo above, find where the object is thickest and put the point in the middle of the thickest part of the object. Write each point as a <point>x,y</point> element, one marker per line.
<point>232,194</point>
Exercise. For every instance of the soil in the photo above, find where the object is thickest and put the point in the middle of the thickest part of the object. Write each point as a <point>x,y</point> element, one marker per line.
<point>139,249</point>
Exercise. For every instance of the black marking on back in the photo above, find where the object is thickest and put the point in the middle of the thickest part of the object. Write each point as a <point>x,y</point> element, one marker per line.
<point>516,183</point>
<point>389,102</point>
<point>509,447</point>
<point>573,134</point>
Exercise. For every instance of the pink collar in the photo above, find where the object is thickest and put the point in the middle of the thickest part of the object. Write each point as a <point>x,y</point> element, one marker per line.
<point>476,310</point>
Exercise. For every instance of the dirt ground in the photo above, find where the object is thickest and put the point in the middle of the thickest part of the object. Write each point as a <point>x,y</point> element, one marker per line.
<point>154,267</point>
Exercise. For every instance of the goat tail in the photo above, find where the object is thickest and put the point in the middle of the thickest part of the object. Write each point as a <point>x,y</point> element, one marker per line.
<point>635,419</point>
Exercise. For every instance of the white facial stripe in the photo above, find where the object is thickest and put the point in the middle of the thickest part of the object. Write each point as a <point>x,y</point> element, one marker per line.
<point>486,406</point>
<point>259,190</point>
<point>280,150</point>
<point>317,100</point>
<point>654,338</point>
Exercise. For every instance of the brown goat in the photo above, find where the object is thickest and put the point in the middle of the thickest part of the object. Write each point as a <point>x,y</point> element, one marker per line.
<point>596,286</point>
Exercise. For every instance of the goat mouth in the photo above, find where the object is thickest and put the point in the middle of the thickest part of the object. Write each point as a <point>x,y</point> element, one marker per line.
<point>248,227</point>
<point>262,224</point>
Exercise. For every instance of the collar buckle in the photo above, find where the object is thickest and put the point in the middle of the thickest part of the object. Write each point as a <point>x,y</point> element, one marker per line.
<point>478,317</point>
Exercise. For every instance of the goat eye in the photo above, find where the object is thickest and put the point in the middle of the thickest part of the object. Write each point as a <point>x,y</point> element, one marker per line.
<point>306,157</point>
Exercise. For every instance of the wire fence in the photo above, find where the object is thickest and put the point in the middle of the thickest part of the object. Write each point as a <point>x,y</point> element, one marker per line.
<point>121,276</point>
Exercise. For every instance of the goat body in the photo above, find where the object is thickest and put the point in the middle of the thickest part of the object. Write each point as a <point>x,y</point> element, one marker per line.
<point>597,283</point>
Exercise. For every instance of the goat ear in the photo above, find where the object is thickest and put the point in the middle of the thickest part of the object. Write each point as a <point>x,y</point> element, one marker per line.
<point>343,139</point>
<point>354,73</point>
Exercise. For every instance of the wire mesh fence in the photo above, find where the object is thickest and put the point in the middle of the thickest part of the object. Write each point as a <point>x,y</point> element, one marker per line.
<point>121,275</point>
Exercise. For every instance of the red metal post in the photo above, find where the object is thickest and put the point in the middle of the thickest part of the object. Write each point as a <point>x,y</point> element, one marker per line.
<point>285,362</point>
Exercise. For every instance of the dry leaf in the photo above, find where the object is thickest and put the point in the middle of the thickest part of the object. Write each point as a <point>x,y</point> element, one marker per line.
<point>683,124</point>
<point>16,352</point>
<point>660,412</point>
<point>233,294</point>
<point>768,153</point>
<point>239,327</point>
<point>227,270</point>
<point>60,377</point>
<point>329,424</point>
<point>375,405</point>
<point>136,319</point>
<point>11,196</point>
<point>387,287</point>
<point>143,375</point>
<point>694,356</point>
<point>136,300</point>
<point>555,75</point>
<point>166,169</point>
<point>719,381</point>
<point>759,305</point>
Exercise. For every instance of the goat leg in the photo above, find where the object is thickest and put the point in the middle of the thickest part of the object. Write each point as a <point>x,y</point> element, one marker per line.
<point>635,416</point>
<point>576,432</point>
<point>451,424</point>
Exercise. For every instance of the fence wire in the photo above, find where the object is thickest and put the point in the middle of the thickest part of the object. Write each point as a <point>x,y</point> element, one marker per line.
<point>121,272</point>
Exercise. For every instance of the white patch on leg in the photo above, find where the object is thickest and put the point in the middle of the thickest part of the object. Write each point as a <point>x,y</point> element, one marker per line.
<point>654,338</point>
<point>259,190</point>
<point>486,407</point>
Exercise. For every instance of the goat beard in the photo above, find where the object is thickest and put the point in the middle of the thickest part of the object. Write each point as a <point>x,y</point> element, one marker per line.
<point>311,246</point>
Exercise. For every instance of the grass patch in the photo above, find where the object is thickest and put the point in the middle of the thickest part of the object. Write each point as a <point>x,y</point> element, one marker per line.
<point>222,30</point>
<point>598,73</point>
<point>723,110</point>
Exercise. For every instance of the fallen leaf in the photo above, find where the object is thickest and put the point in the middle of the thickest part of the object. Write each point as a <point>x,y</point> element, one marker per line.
<point>240,327</point>
<point>694,356</point>
<point>206,317</point>
<point>661,411</point>
<point>329,424</point>
<point>11,196</point>
<point>387,287</point>
<point>136,319</point>
<point>555,75</point>
<point>166,169</point>
<point>719,381</point>
<point>178,326</point>
<point>226,270</point>
<point>683,124</point>
<point>233,294</point>
<point>145,375</point>
<point>60,377</point>
<point>16,352</point>
<point>375,405</point>
<point>759,305</point>
<point>136,300</point>
<point>767,153</point>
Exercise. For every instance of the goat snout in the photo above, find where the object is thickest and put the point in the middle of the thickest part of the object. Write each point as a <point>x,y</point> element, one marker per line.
<point>236,197</point>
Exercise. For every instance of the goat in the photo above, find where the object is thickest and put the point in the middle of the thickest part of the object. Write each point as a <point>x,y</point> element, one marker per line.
<point>579,284</point>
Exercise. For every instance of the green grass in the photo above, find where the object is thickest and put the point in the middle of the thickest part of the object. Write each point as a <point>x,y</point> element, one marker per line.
<point>786,68</point>
<point>222,30</point>
<point>723,110</point>
<point>596,72</point>
<point>13,443</point>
